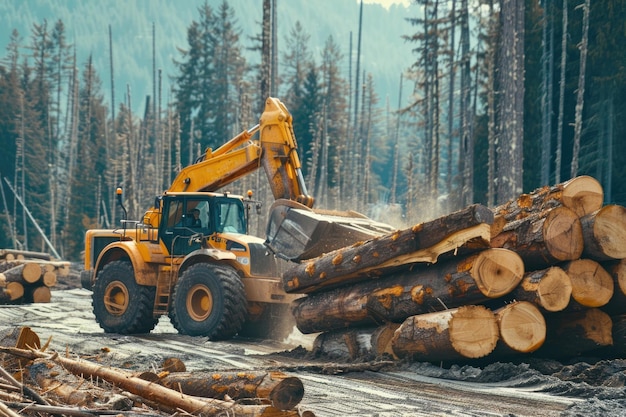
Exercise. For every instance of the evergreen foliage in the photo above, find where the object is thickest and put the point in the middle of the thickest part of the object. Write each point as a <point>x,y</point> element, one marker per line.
<point>63,153</point>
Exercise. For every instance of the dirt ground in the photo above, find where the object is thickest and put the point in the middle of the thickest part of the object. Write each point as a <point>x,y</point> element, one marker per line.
<point>591,386</point>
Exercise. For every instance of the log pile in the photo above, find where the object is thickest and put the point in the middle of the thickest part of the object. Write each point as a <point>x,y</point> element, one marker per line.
<point>27,277</point>
<point>543,273</point>
<point>53,383</point>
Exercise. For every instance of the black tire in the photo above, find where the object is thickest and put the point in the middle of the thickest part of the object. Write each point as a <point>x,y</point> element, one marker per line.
<point>275,323</point>
<point>119,303</point>
<point>209,300</point>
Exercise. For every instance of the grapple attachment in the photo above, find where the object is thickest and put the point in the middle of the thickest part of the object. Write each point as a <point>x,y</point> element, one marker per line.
<point>296,232</point>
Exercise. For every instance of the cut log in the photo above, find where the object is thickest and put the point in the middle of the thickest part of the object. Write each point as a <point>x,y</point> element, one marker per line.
<point>37,294</point>
<point>549,289</point>
<point>573,333</point>
<point>281,390</point>
<point>49,278</point>
<point>27,273</point>
<point>173,365</point>
<point>489,274</point>
<point>381,339</point>
<point>543,239</point>
<point>604,233</point>
<point>592,286</point>
<point>582,195</point>
<point>617,270</point>
<point>68,391</point>
<point>522,327</point>
<point>464,231</point>
<point>12,291</point>
<point>346,344</point>
<point>466,332</point>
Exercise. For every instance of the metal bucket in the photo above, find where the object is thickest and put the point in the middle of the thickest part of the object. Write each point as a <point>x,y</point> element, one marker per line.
<point>296,232</point>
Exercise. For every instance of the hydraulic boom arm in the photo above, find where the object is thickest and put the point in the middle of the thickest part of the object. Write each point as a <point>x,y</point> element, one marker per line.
<point>275,150</point>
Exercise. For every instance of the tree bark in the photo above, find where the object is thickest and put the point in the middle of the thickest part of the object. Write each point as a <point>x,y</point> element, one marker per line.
<point>282,391</point>
<point>465,230</point>
<point>544,238</point>
<point>356,343</point>
<point>549,289</point>
<point>467,332</point>
<point>522,327</point>
<point>476,278</point>
<point>583,195</point>
<point>604,233</point>
<point>592,286</point>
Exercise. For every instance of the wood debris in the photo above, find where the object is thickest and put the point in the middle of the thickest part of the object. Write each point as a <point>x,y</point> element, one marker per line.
<point>57,383</point>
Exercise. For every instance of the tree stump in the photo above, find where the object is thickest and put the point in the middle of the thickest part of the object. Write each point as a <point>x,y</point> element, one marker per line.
<point>549,289</point>
<point>543,239</point>
<point>466,230</point>
<point>466,332</point>
<point>592,286</point>
<point>604,233</point>
<point>488,274</point>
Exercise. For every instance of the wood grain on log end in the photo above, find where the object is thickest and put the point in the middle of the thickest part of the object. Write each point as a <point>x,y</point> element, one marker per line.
<point>522,326</point>
<point>497,271</point>
<point>583,194</point>
<point>592,285</point>
<point>473,331</point>
<point>563,235</point>
<point>604,233</point>
<point>554,290</point>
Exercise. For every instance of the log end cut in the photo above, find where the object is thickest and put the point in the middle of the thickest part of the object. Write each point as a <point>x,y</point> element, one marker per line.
<point>473,331</point>
<point>522,327</point>
<point>607,239</point>
<point>583,195</point>
<point>554,290</point>
<point>563,234</point>
<point>497,271</point>
<point>592,285</point>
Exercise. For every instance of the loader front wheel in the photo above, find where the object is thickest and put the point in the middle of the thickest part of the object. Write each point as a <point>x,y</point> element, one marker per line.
<point>119,303</point>
<point>209,300</point>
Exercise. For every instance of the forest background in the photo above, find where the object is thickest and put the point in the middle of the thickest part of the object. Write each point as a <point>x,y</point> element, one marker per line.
<point>403,113</point>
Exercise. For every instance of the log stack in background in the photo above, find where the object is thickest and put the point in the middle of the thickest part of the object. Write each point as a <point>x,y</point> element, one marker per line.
<point>26,277</point>
<point>543,273</point>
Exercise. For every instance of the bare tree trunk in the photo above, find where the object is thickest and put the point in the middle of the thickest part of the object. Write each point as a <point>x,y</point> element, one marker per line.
<point>580,96</point>
<point>467,141</point>
<point>511,116</point>
<point>491,109</point>
<point>546,93</point>
<point>559,135</point>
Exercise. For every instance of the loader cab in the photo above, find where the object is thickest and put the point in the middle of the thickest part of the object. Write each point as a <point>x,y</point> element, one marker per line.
<point>188,219</point>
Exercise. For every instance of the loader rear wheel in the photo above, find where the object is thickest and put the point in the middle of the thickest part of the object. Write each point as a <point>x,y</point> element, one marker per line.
<point>119,303</point>
<point>209,300</point>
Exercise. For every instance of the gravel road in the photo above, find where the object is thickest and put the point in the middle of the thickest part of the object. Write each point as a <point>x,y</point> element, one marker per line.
<point>381,389</point>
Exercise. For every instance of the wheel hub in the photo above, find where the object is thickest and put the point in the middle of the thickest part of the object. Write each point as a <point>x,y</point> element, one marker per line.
<point>199,302</point>
<point>116,298</point>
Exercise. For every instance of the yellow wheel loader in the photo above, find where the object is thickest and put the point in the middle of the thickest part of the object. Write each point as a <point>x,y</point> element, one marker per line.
<point>190,257</point>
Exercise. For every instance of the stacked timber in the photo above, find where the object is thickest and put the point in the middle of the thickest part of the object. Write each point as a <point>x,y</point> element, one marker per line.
<point>543,273</point>
<point>27,277</point>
